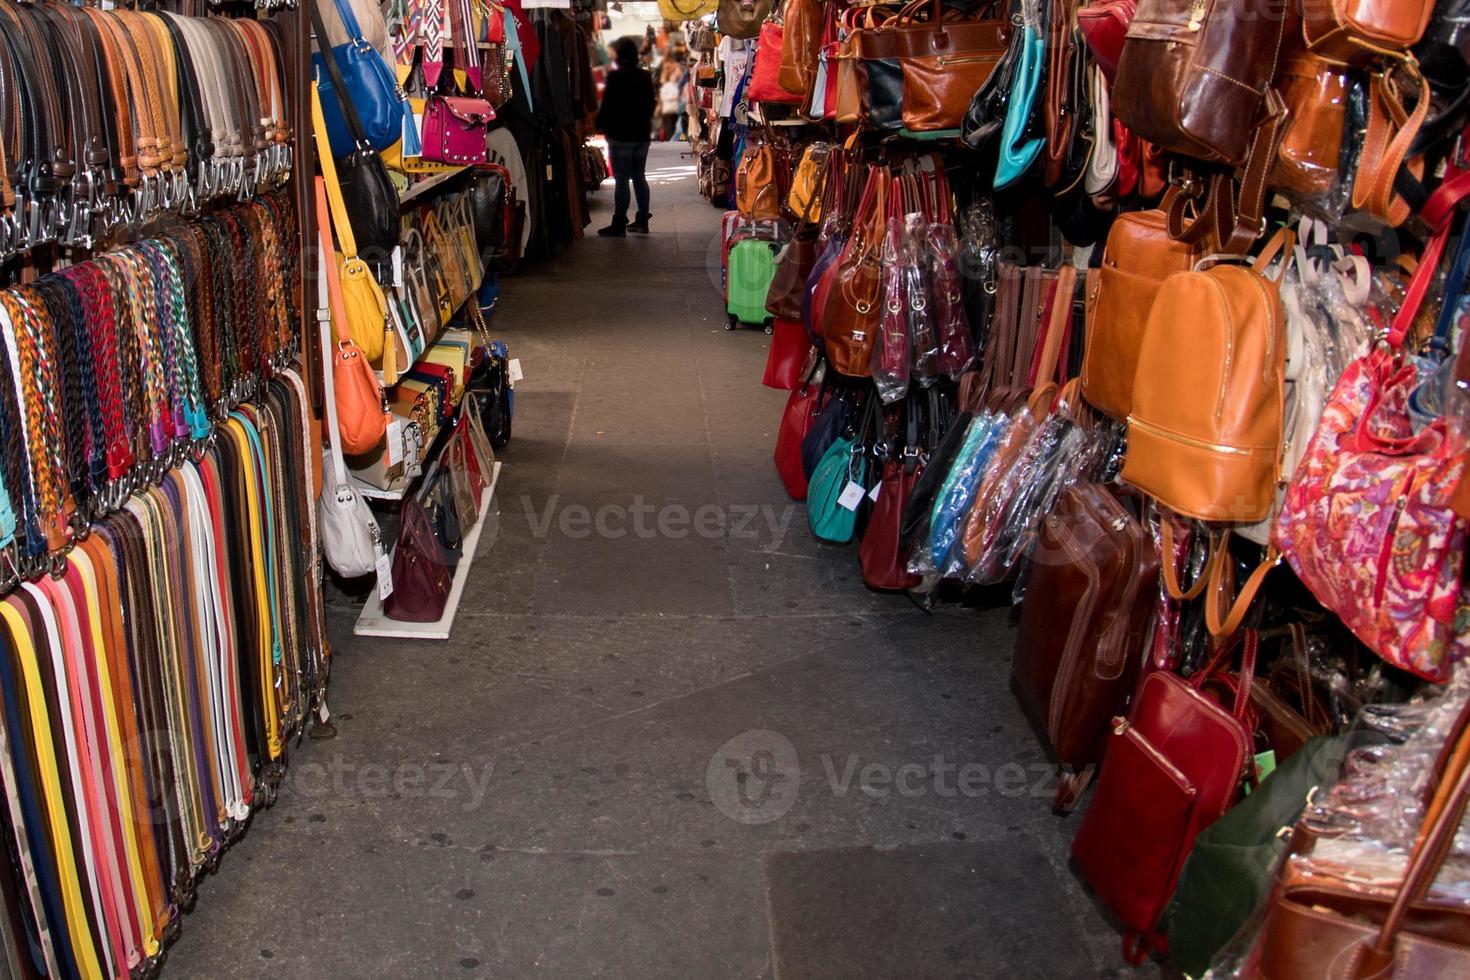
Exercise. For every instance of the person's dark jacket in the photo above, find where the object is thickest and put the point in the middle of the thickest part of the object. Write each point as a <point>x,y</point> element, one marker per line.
<point>628,101</point>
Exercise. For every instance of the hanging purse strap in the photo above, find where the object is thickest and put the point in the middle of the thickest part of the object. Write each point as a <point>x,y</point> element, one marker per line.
<point>338,207</point>
<point>325,284</point>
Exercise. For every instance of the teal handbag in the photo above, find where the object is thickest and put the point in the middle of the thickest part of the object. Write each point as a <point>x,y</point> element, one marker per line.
<point>1017,153</point>
<point>844,462</point>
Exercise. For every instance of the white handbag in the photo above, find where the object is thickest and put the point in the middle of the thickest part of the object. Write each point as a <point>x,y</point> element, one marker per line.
<point>351,539</point>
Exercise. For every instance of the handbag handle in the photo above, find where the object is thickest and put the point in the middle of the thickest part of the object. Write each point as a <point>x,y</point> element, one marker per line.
<point>1251,642</point>
<point>1435,841</point>
<point>1438,214</point>
<point>340,221</point>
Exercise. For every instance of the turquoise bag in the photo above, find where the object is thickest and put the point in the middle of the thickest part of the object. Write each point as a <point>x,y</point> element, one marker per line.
<point>844,462</point>
<point>1016,156</point>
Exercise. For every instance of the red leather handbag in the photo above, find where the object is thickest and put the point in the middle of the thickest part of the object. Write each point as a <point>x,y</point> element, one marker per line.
<point>884,563</point>
<point>1174,766</point>
<point>790,347</point>
<point>801,408</point>
<point>765,79</point>
<point>1104,25</point>
<point>422,576</point>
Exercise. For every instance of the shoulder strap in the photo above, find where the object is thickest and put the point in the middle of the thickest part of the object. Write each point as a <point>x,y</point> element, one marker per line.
<point>329,177</point>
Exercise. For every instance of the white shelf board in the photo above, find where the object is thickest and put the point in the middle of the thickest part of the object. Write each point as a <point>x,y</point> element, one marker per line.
<point>372,621</point>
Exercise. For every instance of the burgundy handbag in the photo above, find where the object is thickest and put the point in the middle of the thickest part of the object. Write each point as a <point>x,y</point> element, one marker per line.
<point>801,408</point>
<point>881,554</point>
<point>421,573</point>
<point>1174,766</point>
<point>1104,25</point>
<point>790,347</point>
<point>454,129</point>
<point>1094,575</point>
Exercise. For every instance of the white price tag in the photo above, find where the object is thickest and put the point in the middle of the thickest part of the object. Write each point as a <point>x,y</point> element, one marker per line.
<point>395,442</point>
<point>851,496</point>
<point>397,267</point>
<point>514,370</point>
<point>385,576</point>
<point>873,493</point>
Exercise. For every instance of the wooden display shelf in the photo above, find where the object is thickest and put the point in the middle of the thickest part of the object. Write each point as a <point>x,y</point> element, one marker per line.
<point>372,621</point>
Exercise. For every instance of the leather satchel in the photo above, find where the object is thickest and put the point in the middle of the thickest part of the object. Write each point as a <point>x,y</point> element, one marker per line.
<point>801,39</point>
<point>759,182</point>
<point>1357,32</point>
<point>1094,574</point>
<point>743,18</point>
<point>944,62</point>
<point>454,129</point>
<point>1138,257</point>
<point>1193,75</point>
<point>1206,424</point>
<point>1174,766</point>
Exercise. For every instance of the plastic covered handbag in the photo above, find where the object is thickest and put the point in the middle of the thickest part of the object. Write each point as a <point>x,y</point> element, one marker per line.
<point>957,492</point>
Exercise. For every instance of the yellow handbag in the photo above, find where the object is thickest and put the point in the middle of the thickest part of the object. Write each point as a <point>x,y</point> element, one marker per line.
<point>806,190</point>
<point>682,10</point>
<point>365,308</point>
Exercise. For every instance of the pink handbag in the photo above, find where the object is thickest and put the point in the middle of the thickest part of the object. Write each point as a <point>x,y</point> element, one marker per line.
<point>454,129</point>
<point>1367,523</point>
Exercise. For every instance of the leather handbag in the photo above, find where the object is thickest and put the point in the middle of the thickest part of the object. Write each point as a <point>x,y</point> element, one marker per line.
<point>803,22</point>
<point>1193,76</point>
<point>680,11</point>
<point>356,80</point>
<point>765,76</point>
<point>359,177</point>
<point>794,265</point>
<point>759,182</point>
<point>742,18</point>
<point>1315,92</point>
<point>1367,522</point>
<point>986,113</point>
<point>455,128</point>
<point>1357,32</point>
<point>844,462</point>
<point>881,554</point>
<point>422,571</point>
<point>1207,420</point>
<point>790,347</point>
<point>879,68</point>
<point>802,406</point>
<point>1104,25</point>
<point>1174,766</point>
<point>1064,104</point>
<point>1020,146</point>
<point>358,402</point>
<point>808,182</point>
<point>1318,923</point>
<point>853,307</point>
<point>1138,257</point>
<point>944,62</point>
<point>1094,575</point>
<point>848,107</point>
<point>489,189</point>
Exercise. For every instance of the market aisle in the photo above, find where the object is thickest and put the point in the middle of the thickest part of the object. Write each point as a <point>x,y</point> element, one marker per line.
<point>547,795</point>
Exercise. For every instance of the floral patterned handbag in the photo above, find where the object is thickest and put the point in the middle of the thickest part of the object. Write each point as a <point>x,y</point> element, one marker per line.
<point>1367,523</point>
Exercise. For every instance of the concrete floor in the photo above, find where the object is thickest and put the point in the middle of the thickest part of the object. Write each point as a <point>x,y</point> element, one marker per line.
<point>674,747</point>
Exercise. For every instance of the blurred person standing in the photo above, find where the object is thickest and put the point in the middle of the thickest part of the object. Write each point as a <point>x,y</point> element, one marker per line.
<point>626,119</point>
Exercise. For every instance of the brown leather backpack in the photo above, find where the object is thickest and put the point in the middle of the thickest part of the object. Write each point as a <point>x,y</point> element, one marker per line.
<point>1206,426</point>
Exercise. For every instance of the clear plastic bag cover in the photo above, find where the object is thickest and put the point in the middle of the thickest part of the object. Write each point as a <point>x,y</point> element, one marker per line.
<point>891,363</point>
<point>930,554</point>
<point>951,328</point>
<point>920,301</point>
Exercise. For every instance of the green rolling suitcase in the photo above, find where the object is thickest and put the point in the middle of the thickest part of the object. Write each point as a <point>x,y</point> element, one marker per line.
<point>747,281</point>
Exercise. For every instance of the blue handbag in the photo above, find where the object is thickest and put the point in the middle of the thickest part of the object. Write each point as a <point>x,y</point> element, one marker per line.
<point>371,87</point>
<point>1017,153</point>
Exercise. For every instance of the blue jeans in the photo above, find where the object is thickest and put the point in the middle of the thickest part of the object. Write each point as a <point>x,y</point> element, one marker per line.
<point>628,163</point>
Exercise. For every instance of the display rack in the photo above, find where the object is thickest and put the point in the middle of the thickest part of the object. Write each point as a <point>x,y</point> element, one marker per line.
<point>372,621</point>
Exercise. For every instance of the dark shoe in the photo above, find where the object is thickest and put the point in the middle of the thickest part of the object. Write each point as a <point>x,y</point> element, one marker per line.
<point>641,225</point>
<point>618,228</point>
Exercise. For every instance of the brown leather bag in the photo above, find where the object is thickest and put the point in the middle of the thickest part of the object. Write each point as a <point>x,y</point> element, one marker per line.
<point>1194,75</point>
<point>1206,425</point>
<point>1356,32</point>
<point>1315,91</point>
<point>854,305</point>
<point>800,42</point>
<point>738,19</point>
<point>1320,925</point>
<point>759,183</point>
<point>944,62</point>
<point>1139,256</point>
<point>1094,574</point>
<point>1063,68</point>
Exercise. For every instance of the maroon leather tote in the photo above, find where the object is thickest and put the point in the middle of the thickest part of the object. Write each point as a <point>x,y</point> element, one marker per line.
<point>884,563</point>
<point>790,347</point>
<point>1174,766</point>
<point>422,574</point>
<point>801,408</point>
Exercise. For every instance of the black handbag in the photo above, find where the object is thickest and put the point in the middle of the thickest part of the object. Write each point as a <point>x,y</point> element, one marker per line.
<point>488,191</point>
<point>987,112</point>
<point>833,419</point>
<point>367,190</point>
